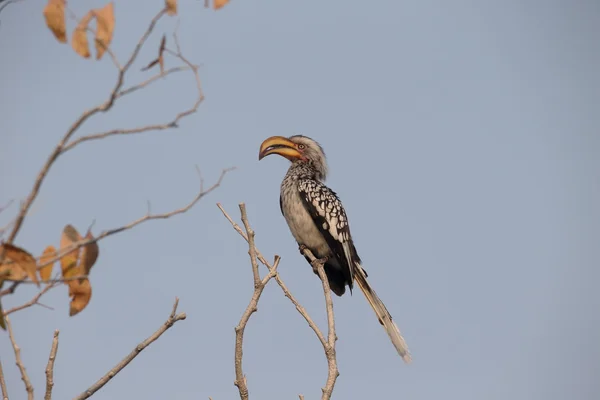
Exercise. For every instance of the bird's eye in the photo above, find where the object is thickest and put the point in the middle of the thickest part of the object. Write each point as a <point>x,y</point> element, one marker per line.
<point>301,146</point>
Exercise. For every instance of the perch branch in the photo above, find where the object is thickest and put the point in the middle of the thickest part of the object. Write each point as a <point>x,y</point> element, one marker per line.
<point>279,281</point>
<point>19,361</point>
<point>240,379</point>
<point>173,318</point>
<point>329,343</point>
<point>329,347</point>
<point>50,367</point>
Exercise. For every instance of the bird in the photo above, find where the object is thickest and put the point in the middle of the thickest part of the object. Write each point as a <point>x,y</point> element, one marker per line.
<point>318,222</point>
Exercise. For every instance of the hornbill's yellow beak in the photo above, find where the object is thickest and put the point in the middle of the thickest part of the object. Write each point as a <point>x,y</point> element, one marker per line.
<point>279,145</point>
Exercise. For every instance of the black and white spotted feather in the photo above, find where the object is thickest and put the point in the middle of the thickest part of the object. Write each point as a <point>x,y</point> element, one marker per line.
<point>317,220</point>
<point>328,214</point>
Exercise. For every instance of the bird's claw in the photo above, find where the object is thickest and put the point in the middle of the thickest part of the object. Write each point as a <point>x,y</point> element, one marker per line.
<point>301,248</point>
<point>318,261</point>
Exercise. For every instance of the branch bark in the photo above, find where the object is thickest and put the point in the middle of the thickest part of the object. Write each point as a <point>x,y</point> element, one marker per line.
<point>173,318</point>
<point>50,367</point>
<point>19,361</point>
<point>329,343</point>
<point>259,285</point>
<point>3,384</point>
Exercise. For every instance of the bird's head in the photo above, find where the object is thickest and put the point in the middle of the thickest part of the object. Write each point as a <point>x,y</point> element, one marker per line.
<point>297,149</point>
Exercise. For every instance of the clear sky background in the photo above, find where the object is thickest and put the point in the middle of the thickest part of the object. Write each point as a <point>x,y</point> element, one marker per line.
<point>463,139</point>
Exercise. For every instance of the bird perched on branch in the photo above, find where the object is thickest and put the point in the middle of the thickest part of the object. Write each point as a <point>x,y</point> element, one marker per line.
<point>318,222</point>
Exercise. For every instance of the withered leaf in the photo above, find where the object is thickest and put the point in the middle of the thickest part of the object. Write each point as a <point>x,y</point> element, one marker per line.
<point>54,12</point>
<point>219,4</point>
<point>68,262</point>
<point>46,270</point>
<point>89,255</point>
<point>11,271</point>
<point>105,25</point>
<point>80,292</point>
<point>79,41</point>
<point>20,259</point>
<point>171,7</point>
<point>160,60</point>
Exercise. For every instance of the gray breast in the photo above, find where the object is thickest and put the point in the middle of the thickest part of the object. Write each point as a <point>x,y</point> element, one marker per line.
<point>299,220</point>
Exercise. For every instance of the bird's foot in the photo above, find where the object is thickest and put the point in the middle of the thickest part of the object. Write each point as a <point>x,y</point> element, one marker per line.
<point>301,248</point>
<point>318,262</point>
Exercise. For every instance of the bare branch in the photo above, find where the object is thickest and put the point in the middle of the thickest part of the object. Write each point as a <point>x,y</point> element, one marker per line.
<point>6,4</point>
<point>60,147</point>
<point>279,281</point>
<point>173,318</point>
<point>329,348</point>
<point>3,384</point>
<point>328,344</point>
<point>251,245</point>
<point>148,217</point>
<point>154,127</point>
<point>50,367</point>
<point>152,79</point>
<point>19,361</point>
<point>33,301</point>
<point>240,379</point>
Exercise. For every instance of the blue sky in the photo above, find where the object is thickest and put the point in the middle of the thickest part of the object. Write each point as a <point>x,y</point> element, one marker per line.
<point>462,138</point>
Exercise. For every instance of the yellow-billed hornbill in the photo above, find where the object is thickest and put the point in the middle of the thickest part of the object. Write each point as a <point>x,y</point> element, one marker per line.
<point>318,222</point>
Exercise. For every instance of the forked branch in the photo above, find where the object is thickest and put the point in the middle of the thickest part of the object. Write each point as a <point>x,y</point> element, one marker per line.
<point>328,344</point>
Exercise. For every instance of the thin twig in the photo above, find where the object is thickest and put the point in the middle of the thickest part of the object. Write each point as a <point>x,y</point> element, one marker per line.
<point>152,79</point>
<point>173,318</point>
<point>240,378</point>
<point>330,354</point>
<point>329,343</point>
<point>148,217</point>
<point>251,245</point>
<point>155,127</point>
<point>50,367</point>
<point>59,149</point>
<point>19,361</point>
<point>3,384</point>
<point>279,281</point>
<point>33,301</point>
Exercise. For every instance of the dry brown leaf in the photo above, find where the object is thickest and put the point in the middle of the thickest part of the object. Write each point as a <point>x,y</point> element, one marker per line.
<point>89,255</point>
<point>68,262</point>
<point>46,270</point>
<point>80,292</point>
<point>219,3</point>
<point>79,40</point>
<point>171,7</point>
<point>54,12</point>
<point>11,271</point>
<point>20,259</point>
<point>105,25</point>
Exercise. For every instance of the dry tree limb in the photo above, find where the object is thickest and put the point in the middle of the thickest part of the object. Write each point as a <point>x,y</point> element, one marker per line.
<point>259,285</point>
<point>279,281</point>
<point>329,348</point>
<point>3,384</point>
<point>329,343</point>
<point>104,234</point>
<point>173,318</point>
<point>60,147</point>
<point>155,127</point>
<point>35,300</point>
<point>50,367</point>
<point>19,361</point>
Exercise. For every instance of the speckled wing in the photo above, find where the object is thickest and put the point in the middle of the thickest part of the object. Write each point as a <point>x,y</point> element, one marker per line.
<point>328,214</point>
